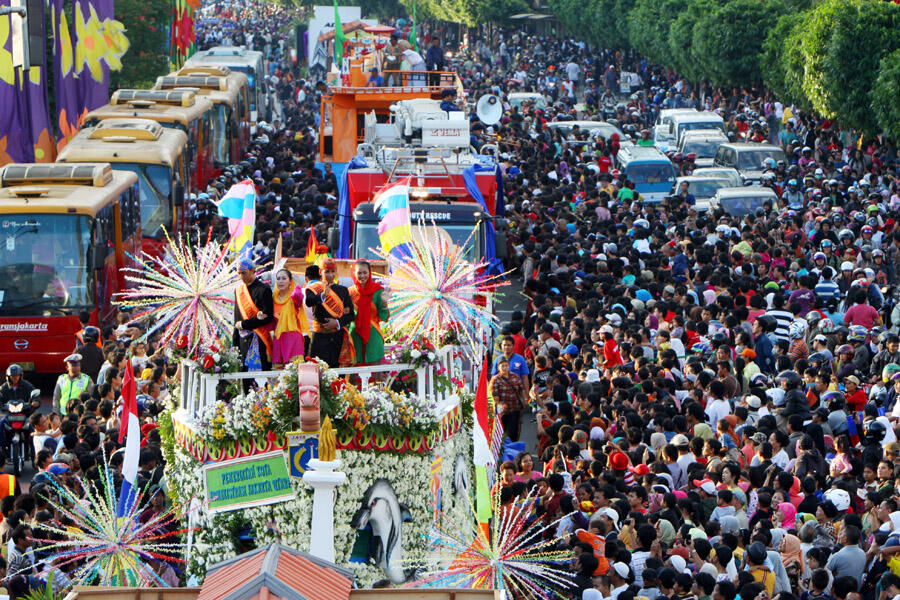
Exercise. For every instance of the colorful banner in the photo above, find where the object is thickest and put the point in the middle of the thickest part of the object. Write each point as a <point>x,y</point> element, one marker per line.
<point>238,205</point>
<point>43,148</point>
<point>15,136</point>
<point>90,49</point>
<point>245,482</point>
<point>68,115</point>
<point>181,32</point>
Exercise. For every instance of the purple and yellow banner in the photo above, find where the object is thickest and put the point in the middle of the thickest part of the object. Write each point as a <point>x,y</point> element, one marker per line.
<point>15,136</point>
<point>68,112</point>
<point>38,110</point>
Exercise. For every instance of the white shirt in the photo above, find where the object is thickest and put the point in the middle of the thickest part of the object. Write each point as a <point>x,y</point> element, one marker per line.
<point>781,459</point>
<point>717,410</point>
<point>686,460</point>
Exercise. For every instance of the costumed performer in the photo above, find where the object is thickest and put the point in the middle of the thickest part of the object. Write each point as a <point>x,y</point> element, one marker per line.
<point>290,319</point>
<point>253,314</point>
<point>371,310</point>
<point>332,314</point>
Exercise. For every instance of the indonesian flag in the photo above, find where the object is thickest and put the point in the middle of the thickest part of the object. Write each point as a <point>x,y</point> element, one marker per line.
<point>483,456</point>
<point>130,432</point>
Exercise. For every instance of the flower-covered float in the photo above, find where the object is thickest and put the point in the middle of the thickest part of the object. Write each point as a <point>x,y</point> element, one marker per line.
<point>406,450</point>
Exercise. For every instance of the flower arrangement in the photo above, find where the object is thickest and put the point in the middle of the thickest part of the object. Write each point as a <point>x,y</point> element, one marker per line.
<point>419,351</point>
<point>383,412</point>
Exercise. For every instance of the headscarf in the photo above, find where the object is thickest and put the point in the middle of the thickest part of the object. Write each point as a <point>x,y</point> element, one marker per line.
<point>777,535</point>
<point>792,552</point>
<point>729,523</point>
<point>657,441</point>
<point>364,305</point>
<point>666,532</point>
<point>790,515</point>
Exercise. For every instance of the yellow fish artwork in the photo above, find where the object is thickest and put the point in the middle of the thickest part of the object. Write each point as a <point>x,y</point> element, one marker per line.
<point>7,71</point>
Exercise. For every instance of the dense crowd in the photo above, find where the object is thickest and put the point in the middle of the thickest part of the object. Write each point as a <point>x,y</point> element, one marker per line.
<point>714,397</point>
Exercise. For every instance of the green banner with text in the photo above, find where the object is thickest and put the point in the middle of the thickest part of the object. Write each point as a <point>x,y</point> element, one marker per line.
<point>249,481</point>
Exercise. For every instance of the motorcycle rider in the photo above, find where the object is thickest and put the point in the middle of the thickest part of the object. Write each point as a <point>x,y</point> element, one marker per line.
<point>91,355</point>
<point>890,354</point>
<point>16,389</point>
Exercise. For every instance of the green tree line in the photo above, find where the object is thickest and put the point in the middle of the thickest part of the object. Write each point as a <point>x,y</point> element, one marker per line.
<point>839,58</point>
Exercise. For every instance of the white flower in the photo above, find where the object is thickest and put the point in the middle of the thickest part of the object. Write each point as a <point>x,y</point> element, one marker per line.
<point>431,356</point>
<point>415,354</point>
<point>217,357</point>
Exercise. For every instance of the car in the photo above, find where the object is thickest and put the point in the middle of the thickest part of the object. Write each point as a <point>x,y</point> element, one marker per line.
<point>743,201</point>
<point>517,99</point>
<point>704,145</point>
<point>703,188</point>
<point>747,158</point>
<point>662,139</point>
<point>684,122</point>
<point>720,172</point>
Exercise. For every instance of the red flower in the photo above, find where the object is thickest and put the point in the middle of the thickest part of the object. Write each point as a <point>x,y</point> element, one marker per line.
<point>208,362</point>
<point>288,393</point>
<point>181,341</point>
<point>271,437</point>
<point>337,385</point>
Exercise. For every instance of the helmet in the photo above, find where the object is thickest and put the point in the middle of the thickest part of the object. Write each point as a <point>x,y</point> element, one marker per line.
<point>13,370</point>
<point>819,255</point>
<point>846,266</point>
<point>858,333</point>
<point>889,371</point>
<point>792,183</point>
<point>846,233</point>
<point>691,156</point>
<point>844,349</point>
<point>701,348</point>
<point>791,378</point>
<point>875,432</point>
<point>826,243</point>
<point>817,357</point>
<point>813,317</point>
<point>767,322</point>
<point>830,398</point>
<point>91,335</point>
<point>797,330</point>
<point>826,325</point>
<point>719,337</point>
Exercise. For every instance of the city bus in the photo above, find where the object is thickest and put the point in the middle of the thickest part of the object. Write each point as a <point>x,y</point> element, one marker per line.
<point>68,230</point>
<point>249,62</point>
<point>229,93</point>
<point>155,154</point>
<point>182,110</point>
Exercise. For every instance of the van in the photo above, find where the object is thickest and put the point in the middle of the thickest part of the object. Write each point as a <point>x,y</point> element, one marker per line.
<point>652,173</point>
<point>743,201</point>
<point>704,143</point>
<point>747,158</point>
<point>683,122</point>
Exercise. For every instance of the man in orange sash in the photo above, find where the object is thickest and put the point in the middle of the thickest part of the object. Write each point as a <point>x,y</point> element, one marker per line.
<point>253,313</point>
<point>332,314</point>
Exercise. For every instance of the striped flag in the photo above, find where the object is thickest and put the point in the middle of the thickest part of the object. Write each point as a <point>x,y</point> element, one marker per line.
<point>238,205</point>
<point>483,454</point>
<point>392,205</point>
<point>130,433</point>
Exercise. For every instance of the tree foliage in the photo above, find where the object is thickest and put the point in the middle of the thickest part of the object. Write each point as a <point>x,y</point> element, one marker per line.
<point>147,27</point>
<point>884,95</point>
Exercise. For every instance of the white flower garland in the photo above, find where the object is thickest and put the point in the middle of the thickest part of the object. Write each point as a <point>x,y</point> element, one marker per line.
<point>409,474</point>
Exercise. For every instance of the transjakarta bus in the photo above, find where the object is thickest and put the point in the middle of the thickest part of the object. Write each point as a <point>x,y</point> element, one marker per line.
<point>249,62</point>
<point>229,93</point>
<point>156,155</point>
<point>67,230</point>
<point>182,110</point>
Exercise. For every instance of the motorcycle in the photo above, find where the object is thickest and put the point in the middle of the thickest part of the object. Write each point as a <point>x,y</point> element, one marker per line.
<point>16,431</point>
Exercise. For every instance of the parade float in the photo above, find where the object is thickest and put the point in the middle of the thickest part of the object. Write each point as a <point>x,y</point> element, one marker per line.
<point>243,463</point>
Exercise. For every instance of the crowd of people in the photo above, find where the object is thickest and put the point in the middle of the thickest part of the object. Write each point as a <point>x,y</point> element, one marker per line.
<point>714,397</point>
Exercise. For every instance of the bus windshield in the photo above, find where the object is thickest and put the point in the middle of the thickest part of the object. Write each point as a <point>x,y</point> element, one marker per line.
<point>156,190</point>
<point>250,72</point>
<point>220,126</point>
<point>46,268</point>
<point>367,238</point>
<point>650,173</point>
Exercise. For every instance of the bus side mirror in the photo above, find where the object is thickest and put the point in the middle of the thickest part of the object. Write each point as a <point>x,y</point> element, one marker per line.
<point>334,238</point>
<point>179,195</point>
<point>500,245</point>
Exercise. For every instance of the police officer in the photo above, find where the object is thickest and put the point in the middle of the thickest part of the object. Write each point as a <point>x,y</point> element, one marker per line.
<point>70,384</point>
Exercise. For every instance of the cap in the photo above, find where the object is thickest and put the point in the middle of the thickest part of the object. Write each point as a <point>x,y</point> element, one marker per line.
<point>753,401</point>
<point>759,438</point>
<point>618,461</point>
<point>58,469</point>
<point>592,376</point>
<point>669,289</point>
<point>680,440</point>
<point>820,338</point>
<point>757,553</point>
<point>621,568</point>
<point>706,485</point>
<point>851,379</point>
<point>571,349</point>
<point>640,470</point>
<point>614,319</point>
<point>73,358</point>
<point>748,353</point>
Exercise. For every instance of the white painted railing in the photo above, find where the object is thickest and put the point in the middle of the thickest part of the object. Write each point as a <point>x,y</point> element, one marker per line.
<point>198,389</point>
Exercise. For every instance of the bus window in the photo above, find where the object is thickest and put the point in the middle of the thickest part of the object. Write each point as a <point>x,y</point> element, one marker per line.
<point>131,213</point>
<point>221,135</point>
<point>155,183</point>
<point>46,266</point>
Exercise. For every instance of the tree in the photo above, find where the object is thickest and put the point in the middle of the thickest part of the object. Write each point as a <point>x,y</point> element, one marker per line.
<point>730,38</point>
<point>648,25</point>
<point>818,25</point>
<point>147,27</point>
<point>781,62</point>
<point>884,95</point>
<point>863,36</point>
<point>680,42</point>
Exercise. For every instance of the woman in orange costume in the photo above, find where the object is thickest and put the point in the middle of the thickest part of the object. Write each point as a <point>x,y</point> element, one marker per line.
<point>371,310</point>
<point>290,319</point>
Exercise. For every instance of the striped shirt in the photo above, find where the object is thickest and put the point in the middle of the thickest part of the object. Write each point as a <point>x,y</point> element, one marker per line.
<point>828,290</point>
<point>784,319</point>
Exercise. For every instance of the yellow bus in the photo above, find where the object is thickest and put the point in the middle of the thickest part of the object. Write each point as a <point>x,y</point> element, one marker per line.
<point>182,110</point>
<point>249,62</point>
<point>229,93</point>
<point>68,230</point>
<point>155,154</point>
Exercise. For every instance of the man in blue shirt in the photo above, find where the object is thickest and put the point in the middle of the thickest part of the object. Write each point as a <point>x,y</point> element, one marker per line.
<point>517,362</point>
<point>375,79</point>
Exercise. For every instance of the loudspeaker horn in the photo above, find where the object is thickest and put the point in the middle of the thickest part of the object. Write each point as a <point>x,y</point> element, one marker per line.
<point>489,109</point>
